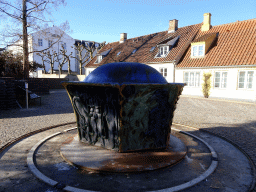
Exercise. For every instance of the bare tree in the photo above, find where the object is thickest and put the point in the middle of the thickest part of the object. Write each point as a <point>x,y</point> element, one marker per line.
<point>85,52</point>
<point>66,57</point>
<point>29,14</point>
<point>44,59</point>
<point>61,60</point>
<point>51,55</point>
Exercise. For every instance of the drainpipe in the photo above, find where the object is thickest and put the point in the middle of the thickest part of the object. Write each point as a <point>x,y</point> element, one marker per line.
<point>174,64</point>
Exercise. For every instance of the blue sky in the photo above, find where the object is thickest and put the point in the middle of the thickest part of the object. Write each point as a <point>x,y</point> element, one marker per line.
<point>104,20</point>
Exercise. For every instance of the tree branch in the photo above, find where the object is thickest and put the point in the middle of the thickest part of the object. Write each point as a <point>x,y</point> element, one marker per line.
<point>8,4</point>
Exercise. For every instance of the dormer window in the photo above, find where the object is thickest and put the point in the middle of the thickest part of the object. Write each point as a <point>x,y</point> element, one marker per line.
<point>163,51</point>
<point>165,46</point>
<point>101,56</point>
<point>202,45</point>
<point>99,59</point>
<point>197,51</point>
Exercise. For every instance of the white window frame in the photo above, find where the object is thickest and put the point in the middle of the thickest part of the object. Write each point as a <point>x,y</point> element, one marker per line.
<point>163,71</point>
<point>40,42</point>
<point>99,59</point>
<point>246,81</point>
<point>162,51</point>
<point>223,80</point>
<point>195,51</point>
<point>193,78</point>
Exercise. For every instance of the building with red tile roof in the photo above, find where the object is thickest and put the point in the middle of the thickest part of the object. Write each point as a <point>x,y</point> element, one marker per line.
<point>226,51</point>
<point>159,50</point>
<point>183,54</point>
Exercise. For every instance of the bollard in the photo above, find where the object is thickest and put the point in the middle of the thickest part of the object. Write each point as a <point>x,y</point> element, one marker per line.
<point>26,87</point>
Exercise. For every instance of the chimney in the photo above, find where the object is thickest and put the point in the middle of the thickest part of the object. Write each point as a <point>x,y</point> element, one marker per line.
<point>123,37</point>
<point>173,26</point>
<point>207,22</point>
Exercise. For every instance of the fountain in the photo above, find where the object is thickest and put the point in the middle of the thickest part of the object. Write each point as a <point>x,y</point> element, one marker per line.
<point>124,114</point>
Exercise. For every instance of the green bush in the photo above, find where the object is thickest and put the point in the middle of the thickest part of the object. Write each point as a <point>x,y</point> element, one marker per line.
<point>206,85</point>
<point>11,65</point>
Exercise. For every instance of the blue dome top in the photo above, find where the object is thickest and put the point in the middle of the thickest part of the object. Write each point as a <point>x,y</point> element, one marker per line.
<point>125,73</point>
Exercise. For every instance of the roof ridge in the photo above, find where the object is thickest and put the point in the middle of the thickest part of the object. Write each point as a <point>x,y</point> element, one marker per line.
<point>236,22</point>
<point>161,32</point>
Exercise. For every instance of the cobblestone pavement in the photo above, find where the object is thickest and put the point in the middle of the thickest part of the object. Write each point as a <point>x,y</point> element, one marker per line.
<point>55,109</point>
<point>231,119</point>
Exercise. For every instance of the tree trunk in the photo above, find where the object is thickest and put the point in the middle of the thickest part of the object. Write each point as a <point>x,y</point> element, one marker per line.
<point>81,69</point>
<point>69,70</point>
<point>25,40</point>
<point>51,69</point>
<point>60,70</point>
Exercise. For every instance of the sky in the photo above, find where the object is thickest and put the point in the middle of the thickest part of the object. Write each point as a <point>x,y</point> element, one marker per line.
<point>104,20</point>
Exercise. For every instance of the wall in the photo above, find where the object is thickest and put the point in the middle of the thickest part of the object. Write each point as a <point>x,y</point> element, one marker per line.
<point>232,90</point>
<point>170,68</point>
<point>7,93</point>
<point>68,77</point>
<point>88,71</point>
<point>46,35</point>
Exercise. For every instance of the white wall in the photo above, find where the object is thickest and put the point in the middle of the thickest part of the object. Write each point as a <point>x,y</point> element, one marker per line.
<point>50,34</point>
<point>169,67</point>
<point>88,71</point>
<point>232,90</point>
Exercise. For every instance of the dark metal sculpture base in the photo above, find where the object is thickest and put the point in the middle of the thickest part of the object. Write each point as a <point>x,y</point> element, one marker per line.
<point>98,159</point>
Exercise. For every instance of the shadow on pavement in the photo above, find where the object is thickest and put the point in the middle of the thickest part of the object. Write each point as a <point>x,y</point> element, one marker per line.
<point>57,102</point>
<point>243,135</point>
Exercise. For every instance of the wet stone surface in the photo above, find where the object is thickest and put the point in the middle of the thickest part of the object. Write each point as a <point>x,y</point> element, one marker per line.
<point>195,163</point>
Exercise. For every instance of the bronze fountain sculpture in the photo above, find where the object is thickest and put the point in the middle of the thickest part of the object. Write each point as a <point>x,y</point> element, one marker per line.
<point>126,109</point>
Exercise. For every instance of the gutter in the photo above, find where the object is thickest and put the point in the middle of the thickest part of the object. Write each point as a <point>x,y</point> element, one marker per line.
<point>162,62</point>
<point>207,67</point>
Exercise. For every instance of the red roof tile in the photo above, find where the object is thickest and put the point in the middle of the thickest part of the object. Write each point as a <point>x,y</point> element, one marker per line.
<point>144,44</point>
<point>235,45</point>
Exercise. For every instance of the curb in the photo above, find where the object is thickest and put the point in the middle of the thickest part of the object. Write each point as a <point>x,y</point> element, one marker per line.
<point>253,186</point>
<point>53,183</point>
<point>229,100</point>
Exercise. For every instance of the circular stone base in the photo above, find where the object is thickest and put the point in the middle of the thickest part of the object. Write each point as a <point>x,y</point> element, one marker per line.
<point>94,158</point>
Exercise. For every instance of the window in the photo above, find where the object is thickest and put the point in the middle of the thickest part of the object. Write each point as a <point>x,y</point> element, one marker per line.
<point>118,53</point>
<point>49,43</point>
<point>64,45</point>
<point>152,49</point>
<point>163,51</point>
<point>99,59</point>
<point>197,50</point>
<point>40,42</point>
<point>220,80</point>
<point>245,79</point>
<point>134,51</point>
<point>192,79</point>
<point>163,71</point>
